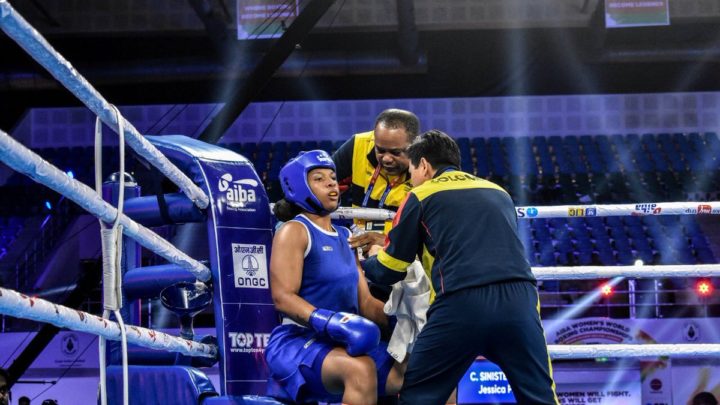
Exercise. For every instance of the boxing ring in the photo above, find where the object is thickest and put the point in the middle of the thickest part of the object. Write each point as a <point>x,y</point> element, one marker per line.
<point>222,190</point>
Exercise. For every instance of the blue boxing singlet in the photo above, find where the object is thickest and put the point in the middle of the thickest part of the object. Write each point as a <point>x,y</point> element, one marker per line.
<point>330,273</point>
<point>295,353</point>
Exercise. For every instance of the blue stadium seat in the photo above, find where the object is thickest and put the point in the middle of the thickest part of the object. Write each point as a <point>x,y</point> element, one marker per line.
<point>280,148</point>
<point>582,242</point>
<point>497,157</point>
<point>712,142</point>
<point>668,220</point>
<point>614,222</point>
<point>595,223</point>
<point>581,235</point>
<point>463,143</point>
<point>632,221</point>
<point>564,245</point>
<point>326,145</point>
<point>699,242</point>
<point>337,145</point>
<point>596,163</point>
<point>635,231</point>
<point>249,149</point>
<point>603,242</point>
<point>641,243</point>
<point>265,147</point>
<point>466,163</point>
<point>622,243</point>
<point>625,257</point>
<point>294,147</point>
<point>585,258</point>
<point>479,145</point>
<point>607,257</point>
<point>547,256</point>
<point>481,157</point>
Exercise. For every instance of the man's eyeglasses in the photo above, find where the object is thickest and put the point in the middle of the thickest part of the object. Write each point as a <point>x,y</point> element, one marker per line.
<point>395,152</point>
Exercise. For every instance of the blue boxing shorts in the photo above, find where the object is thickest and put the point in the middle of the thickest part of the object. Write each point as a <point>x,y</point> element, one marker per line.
<point>295,355</point>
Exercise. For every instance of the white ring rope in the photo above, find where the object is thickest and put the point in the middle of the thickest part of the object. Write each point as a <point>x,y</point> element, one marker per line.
<point>622,210</point>
<point>595,272</point>
<point>565,352</point>
<point>18,305</point>
<point>112,261</point>
<point>566,211</point>
<point>369,214</point>
<point>17,28</point>
<point>29,163</point>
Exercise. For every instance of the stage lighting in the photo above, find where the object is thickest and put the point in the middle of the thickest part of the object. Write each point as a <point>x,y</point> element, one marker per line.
<point>704,288</point>
<point>48,205</point>
<point>606,290</point>
<point>70,174</point>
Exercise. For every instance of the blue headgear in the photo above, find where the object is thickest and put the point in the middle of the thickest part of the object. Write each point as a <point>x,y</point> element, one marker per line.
<point>293,179</point>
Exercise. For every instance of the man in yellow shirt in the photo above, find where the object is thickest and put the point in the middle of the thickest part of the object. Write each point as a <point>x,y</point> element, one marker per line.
<point>375,164</point>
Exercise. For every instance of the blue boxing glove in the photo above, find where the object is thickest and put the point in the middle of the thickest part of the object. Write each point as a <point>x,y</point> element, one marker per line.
<point>357,334</point>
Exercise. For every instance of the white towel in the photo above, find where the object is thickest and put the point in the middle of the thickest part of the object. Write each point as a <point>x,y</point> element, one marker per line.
<point>409,302</point>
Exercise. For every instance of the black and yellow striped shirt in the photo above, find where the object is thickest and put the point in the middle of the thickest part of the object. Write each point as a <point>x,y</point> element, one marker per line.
<point>463,227</point>
<point>356,160</point>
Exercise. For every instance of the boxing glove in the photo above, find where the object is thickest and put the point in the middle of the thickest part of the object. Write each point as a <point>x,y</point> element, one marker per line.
<point>359,335</point>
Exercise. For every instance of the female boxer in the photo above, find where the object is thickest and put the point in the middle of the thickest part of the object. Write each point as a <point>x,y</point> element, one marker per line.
<point>327,348</point>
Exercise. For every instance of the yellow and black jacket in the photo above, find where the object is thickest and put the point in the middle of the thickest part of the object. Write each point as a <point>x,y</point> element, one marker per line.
<point>355,160</point>
<point>465,230</point>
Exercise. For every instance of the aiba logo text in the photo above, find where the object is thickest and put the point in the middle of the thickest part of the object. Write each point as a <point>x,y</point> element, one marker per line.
<point>236,195</point>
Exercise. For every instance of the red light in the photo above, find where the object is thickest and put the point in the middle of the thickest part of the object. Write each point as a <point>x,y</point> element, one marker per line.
<point>704,288</point>
<point>606,290</point>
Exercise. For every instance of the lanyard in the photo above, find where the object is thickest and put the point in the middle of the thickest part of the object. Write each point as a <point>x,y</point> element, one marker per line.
<point>371,186</point>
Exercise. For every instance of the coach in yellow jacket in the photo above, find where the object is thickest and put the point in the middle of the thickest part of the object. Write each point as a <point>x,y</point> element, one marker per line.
<point>486,302</point>
<point>375,164</point>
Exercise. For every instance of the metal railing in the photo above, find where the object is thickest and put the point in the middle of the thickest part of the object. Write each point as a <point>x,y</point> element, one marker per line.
<point>33,258</point>
<point>629,300</point>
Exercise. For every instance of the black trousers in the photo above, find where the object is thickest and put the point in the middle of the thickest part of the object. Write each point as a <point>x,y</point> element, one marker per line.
<point>499,321</point>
